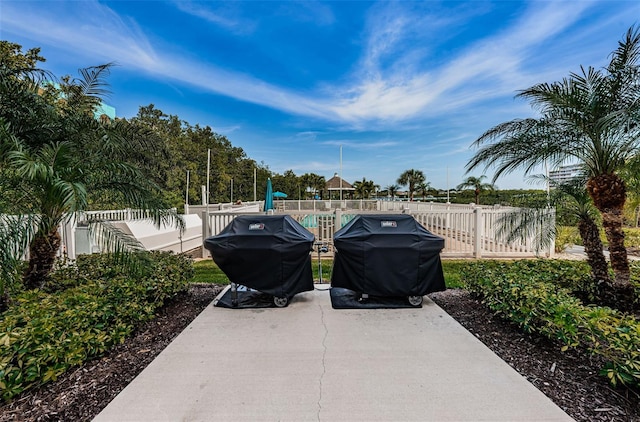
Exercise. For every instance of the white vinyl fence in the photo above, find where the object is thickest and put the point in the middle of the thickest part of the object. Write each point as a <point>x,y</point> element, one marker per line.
<point>77,239</point>
<point>469,232</point>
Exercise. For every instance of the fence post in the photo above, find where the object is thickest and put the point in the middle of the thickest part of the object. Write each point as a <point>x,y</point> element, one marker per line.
<point>205,231</point>
<point>477,233</point>
<point>338,220</point>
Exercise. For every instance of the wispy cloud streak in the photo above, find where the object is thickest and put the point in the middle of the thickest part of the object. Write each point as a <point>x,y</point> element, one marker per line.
<point>391,86</point>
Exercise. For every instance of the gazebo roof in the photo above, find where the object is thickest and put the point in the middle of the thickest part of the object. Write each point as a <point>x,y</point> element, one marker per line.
<point>334,183</point>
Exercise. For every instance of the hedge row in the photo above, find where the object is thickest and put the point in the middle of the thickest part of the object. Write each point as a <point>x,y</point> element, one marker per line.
<point>530,293</point>
<point>94,306</point>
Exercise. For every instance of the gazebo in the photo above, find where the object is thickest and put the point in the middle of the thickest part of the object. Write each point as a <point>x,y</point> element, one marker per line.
<point>336,184</point>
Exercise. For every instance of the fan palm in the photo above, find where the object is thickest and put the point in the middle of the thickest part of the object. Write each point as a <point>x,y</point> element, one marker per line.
<point>423,188</point>
<point>477,185</point>
<point>364,188</point>
<point>392,190</point>
<point>590,117</point>
<point>412,178</point>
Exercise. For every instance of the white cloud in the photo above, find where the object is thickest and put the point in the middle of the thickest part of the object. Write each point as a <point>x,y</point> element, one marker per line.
<point>381,94</point>
<point>488,68</point>
<point>88,28</point>
<point>223,14</point>
<point>226,130</point>
<point>361,145</point>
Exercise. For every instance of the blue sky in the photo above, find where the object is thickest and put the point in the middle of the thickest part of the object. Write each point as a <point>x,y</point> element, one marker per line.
<point>399,85</point>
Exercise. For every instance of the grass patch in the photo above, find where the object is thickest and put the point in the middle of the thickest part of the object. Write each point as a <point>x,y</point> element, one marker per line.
<point>206,271</point>
<point>327,267</point>
<point>452,270</point>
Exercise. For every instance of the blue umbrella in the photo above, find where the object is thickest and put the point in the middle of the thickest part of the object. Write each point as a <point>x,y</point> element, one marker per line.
<point>268,197</point>
<point>279,194</point>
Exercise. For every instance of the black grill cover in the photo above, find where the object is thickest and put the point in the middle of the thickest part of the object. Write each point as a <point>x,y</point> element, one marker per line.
<point>387,255</point>
<point>265,253</point>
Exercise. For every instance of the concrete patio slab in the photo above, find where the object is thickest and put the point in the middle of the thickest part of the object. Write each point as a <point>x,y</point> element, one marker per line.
<point>309,362</point>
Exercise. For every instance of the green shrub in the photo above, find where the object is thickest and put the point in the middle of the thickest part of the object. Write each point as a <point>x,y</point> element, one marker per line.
<point>632,237</point>
<point>526,293</point>
<point>44,334</point>
<point>567,236</point>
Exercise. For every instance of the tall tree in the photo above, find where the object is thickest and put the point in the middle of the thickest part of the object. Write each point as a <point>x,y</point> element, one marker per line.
<point>288,183</point>
<point>364,188</point>
<point>476,183</point>
<point>392,190</point>
<point>579,204</point>
<point>411,178</point>
<point>187,147</point>
<point>313,183</point>
<point>590,117</point>
<point>57,161</point>
<point>423,188</point>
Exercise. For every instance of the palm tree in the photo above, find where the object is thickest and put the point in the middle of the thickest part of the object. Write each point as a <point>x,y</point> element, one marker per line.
<point>364,188</point>
<point>412,178</point>
<point>56,163</point>
<point>573,199</point>
<point>477,185</point>
<point>423,188</point>
<point>579,204</point>
<point>589,117</point>
<point>314,183</point>
<point>392,190</point>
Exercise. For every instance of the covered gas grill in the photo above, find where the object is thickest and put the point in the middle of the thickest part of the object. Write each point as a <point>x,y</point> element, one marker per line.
<point>387,255</point>
<point>270,254</point>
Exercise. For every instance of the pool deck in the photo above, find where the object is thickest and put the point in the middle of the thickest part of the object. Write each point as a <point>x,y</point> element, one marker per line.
<point>310,362</point>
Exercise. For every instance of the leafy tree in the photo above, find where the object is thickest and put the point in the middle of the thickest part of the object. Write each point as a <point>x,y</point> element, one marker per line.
<point>55,155</point>
<point>288,183</point>
<point>477,185</point>
<point>14,60</point>
<point>187,148</point>
<point>412,178</point>
<point>590,117</point>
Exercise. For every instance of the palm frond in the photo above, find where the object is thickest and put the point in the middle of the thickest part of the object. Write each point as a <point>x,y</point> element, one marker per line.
<point>16,232</point>
<point>93,82</point>
<point>528,225</point>
<point>628,51</point>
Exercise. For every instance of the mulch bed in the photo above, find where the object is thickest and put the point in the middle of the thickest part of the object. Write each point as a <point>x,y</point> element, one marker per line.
<point>570,379</point>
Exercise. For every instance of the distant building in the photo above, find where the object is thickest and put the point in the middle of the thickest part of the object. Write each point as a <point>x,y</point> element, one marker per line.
<point>564,174</point>
<point>105,109</point>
